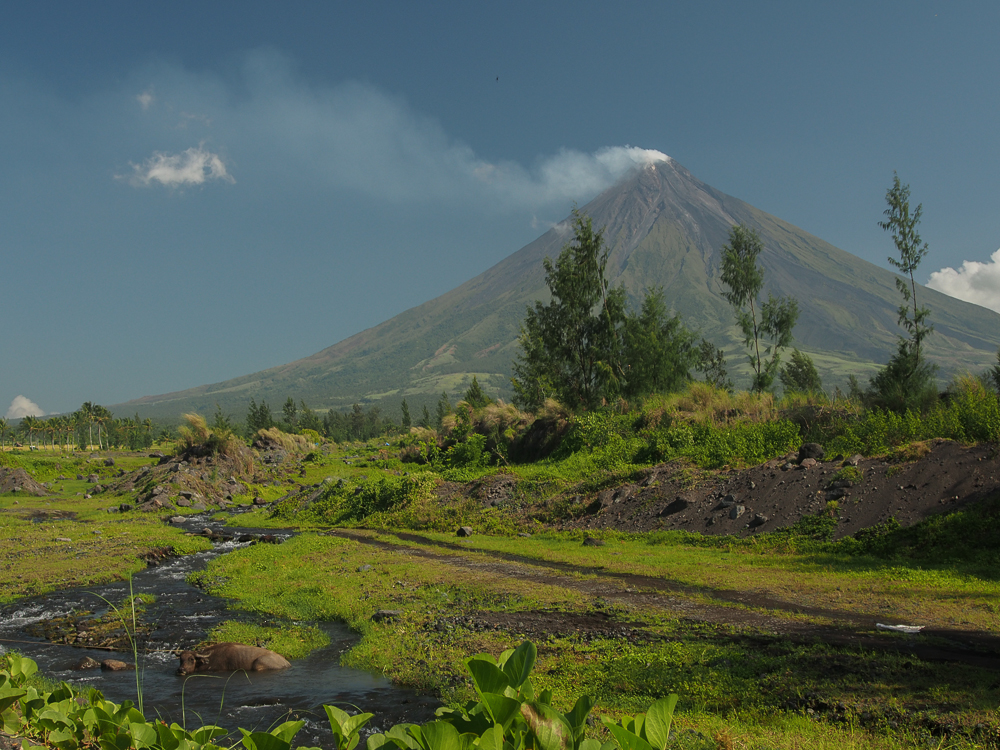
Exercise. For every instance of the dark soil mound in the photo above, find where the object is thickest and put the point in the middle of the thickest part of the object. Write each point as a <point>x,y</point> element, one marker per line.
<point>928,479</point>
<point>18,480</point>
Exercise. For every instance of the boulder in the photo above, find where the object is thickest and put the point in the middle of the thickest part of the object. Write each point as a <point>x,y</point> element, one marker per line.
<point>592,542</point>
<point>736,511</point>
<point>676,506</point>
<point>387,615</point>
<point>114,665</point>
<point>109,462</point>
<point>87,663</point>
<point>807,463</point>
<point>811,450</point>
<point>464,531</point>
<point>759,519</point>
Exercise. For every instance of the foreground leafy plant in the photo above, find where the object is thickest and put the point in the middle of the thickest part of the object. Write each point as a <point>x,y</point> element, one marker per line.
<point>509,715</point>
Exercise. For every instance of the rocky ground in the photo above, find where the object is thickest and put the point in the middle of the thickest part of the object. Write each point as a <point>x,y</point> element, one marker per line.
<point>932,478</point>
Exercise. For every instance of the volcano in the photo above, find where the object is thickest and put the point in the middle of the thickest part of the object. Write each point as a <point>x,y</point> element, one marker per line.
<point>665,229</point>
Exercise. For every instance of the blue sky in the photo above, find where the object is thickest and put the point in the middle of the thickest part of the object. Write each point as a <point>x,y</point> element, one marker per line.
<point>196,191</point>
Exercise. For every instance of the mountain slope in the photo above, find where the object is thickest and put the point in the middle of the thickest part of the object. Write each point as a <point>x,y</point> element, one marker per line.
<point>664,228</point>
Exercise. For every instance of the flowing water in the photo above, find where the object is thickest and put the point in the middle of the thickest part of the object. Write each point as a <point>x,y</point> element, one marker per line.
<point>182,615</point>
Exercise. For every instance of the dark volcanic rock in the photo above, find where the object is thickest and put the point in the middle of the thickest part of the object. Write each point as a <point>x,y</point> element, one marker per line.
<point>811,450</point>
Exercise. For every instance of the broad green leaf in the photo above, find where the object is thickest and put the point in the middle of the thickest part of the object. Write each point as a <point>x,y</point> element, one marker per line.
<point>21,667</point>
<point>545,697</point>
<point>63,739</point>
<point>402,735</point>
<point>467,740</point>
<point>9,696</point>
<point>143,734</point>
<point>440,735</point>
<point>519,664</point>
<point>166,739</point>
<point>52,718</point>
<point>501,708</point>
<point>548,726</point>
<point>590,744</point>
<point>203,735</point>
<point>337,717</point>
<point>659,716</point>
<point>263,741</point>
<point>626,740</point>
<point>487,677</point>
<point>287,731</point>
<point>489,658</point>
<point>577,717</point>
<point>354,723</point>
<point>115,741</point>
<point>492,739</point>
<point>375,741</point>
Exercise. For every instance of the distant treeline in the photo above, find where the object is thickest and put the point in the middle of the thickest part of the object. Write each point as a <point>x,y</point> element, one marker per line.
<point>90,425</point>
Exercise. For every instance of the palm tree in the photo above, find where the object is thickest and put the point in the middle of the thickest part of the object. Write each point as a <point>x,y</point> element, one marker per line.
<point>87,411</point>
<point>4,428</point>
<point>49,426</point>
<point>102,416</point>
<point>29,424</point>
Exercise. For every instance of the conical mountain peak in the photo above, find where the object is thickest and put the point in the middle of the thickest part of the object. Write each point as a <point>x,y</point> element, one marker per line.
<point>664,228</point>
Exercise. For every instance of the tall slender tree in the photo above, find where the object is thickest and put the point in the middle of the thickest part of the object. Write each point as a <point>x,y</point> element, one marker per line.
<point>903,226</point>
<point>767,327</point>
<point>907,382</point>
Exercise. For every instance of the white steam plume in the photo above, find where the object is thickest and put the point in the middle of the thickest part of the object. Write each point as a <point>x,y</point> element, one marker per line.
<point>975,282</point>
<point>22,406</point>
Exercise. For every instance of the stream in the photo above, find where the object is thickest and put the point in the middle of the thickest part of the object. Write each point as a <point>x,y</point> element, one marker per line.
<point>182,615</point>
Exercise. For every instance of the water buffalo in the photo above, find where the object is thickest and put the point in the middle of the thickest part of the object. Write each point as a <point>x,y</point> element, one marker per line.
<point>231,657</point>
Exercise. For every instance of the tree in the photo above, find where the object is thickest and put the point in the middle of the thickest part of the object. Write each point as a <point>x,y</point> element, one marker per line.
<point>308,419</point>
<point>800,375</point>
<point>903,227</point>
<point>571,347</point>
<point>221,422</point>
<point>658,351</point>
<point>425,418</point>
<point>443,409</point>
<point>87,410</point>
<point>407,422</point>
<point>4,429</point>
<point>475,397</point>
<point>29,424</point>
<point>258,417</point>
<point>908,380</point>
<point>291,414</point>
<point>993,372</point>
<point>767,327</point>
<point>711,362</point>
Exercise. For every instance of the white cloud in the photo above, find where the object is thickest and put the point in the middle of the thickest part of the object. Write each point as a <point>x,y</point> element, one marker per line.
<point>974,282</point>
<point>23,406</point>
<point>145,99</point>
<point>357,138</point>
<point>192,167</point>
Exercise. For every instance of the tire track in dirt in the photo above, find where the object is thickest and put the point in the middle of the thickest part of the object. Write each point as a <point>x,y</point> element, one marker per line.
<point>740,610</point>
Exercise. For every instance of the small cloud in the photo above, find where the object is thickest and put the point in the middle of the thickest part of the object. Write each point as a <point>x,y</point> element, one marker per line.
<point>144,99</point>
<point>192,167</point>
<point>975,282</point>
<point>22,406</point>
<point>187,117</point>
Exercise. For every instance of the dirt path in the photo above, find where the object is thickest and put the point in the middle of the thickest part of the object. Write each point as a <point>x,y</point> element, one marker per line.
<point>752,617</point>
